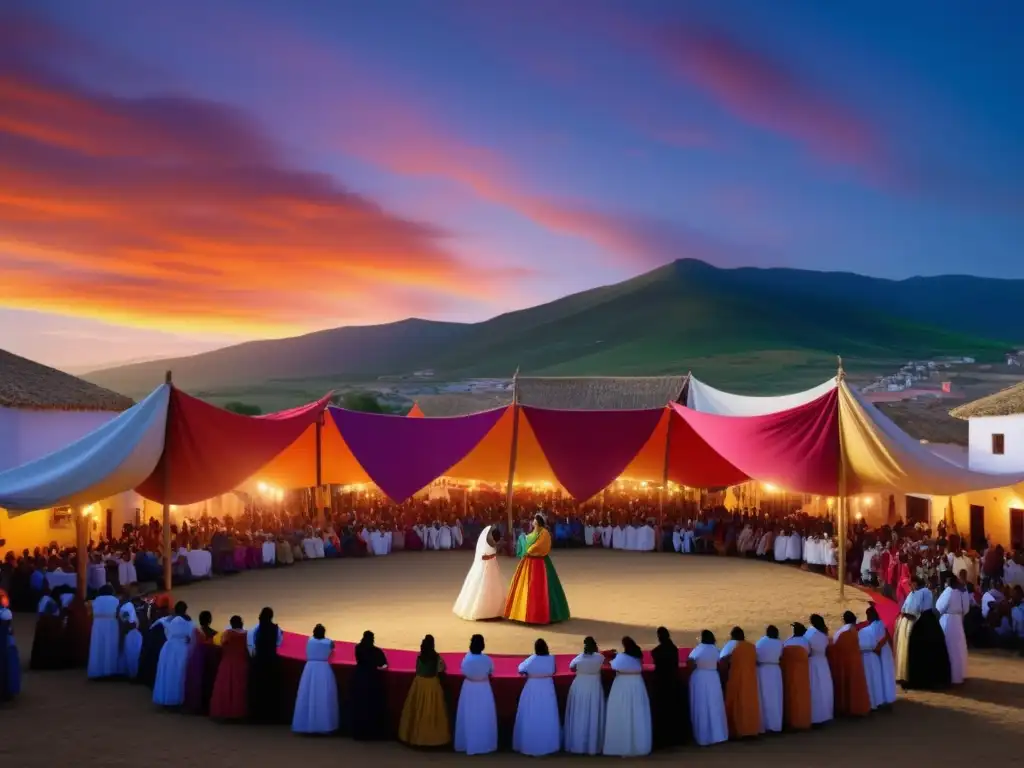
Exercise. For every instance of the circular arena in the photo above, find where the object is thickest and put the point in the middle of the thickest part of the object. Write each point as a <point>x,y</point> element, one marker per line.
<point>403,597</point>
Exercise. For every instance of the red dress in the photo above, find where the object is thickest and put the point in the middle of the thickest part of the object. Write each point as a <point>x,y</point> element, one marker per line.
<point>230,700</point>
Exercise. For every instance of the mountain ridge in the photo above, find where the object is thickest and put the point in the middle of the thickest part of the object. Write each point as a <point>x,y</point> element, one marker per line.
<point>669,319</point>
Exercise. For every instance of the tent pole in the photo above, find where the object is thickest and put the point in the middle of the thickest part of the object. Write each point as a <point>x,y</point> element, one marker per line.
<point>664,467</point>
<point>514,450</point>
<point>318,500</point>
<point>842,501</point>
<point>167,505</point>
<point>82,543</point>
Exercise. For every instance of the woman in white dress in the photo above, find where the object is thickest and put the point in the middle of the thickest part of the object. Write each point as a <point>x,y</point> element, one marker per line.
<point>537,730</point>
<point>476,721</point>
<point>868,638</point>
<point>887,667</point>
<point>316,706</point>
<point>769,679</point>
<point>483,591</point>
<point>822,692</point>
<point>169,690</point>
<point>707,704</point>
<point>952,605</point>
<point>628,731</point>
<point>131,647</point>
<point>105,641</point>
<point>584,711</point>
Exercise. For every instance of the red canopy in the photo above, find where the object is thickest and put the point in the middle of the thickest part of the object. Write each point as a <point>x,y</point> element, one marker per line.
<point>209,451</point>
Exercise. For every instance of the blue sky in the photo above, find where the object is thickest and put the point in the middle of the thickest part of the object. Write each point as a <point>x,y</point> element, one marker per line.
<point>182,176</point>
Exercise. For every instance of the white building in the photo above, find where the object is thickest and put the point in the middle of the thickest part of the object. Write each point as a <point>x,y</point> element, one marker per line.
<point>995,430</point>
<point>43,410</point>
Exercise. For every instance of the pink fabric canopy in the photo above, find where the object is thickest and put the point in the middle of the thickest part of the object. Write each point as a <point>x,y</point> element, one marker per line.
<point>797,449</point>
<point>587,450</point>
<point>403,455</point>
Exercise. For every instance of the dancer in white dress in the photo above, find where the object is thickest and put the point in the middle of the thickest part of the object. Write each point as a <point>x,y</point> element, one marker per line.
<point>316,706</point>
<point>483,591</point>
<point>537,730</point>
<point>584,711</point>
<point>476,721</point>
<point>952,605</point>
<point>707,704</point>
<point>885,658</point>
<point>627,731</point>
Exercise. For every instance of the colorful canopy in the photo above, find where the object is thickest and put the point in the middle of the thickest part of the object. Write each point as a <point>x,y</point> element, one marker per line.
<point>177,449</point>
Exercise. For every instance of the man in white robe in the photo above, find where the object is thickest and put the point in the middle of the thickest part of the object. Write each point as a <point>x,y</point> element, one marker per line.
<point>457,538</point>
<point>444,538</point>
<point>794,548</point>
<point>650,540</point>
<point>630,536</point>
<point>433,537</point>
<point>952,605</point>
<point>618,537</point>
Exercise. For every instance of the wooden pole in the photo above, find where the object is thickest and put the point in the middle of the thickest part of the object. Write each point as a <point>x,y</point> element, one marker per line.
<point>167,505</point>
<point>664,467</point>
<point>82,543</point>
<point>841,500</point>
<point>317,499</point>
<point>513,452</point>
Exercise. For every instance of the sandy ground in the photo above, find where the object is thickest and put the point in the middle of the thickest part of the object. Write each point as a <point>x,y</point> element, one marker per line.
<point>62,719</point>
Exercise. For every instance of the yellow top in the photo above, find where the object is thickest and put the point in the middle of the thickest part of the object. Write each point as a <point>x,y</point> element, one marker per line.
<point>538,543</point>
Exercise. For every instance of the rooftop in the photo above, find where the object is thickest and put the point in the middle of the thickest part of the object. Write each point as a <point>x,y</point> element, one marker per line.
<point>29,385</point>
<point>1007,402</point>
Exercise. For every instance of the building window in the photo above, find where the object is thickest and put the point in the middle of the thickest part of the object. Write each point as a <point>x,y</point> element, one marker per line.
<point>998,445</point>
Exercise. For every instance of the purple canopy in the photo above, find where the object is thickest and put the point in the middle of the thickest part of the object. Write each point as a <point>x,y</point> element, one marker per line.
<point>587,450</point>
<point>403,455</point>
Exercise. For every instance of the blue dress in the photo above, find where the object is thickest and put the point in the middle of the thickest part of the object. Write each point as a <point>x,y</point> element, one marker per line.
<point>10,665</point>
<point>316,706</point>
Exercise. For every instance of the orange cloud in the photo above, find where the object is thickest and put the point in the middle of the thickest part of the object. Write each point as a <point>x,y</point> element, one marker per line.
<point>178,213</point>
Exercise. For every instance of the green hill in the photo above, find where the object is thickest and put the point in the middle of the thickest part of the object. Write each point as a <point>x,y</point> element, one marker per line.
<point>747,329</point>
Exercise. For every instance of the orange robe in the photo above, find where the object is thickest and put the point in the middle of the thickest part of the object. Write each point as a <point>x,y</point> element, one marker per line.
<point>742,703</point>
<point>848,680</point>
<point>796,688</point>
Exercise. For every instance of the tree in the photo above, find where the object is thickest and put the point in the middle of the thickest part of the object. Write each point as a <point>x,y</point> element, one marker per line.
<point>366,402</point>
<point>245,409</point>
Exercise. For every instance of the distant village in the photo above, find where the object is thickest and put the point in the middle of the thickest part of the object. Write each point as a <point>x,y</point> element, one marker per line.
<point>923,377</point>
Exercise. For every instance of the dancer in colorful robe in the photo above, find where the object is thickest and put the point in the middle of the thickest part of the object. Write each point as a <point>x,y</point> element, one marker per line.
<point>535,595</point>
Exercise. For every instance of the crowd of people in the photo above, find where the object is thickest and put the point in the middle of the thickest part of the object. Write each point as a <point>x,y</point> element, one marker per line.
<point>737,691</point>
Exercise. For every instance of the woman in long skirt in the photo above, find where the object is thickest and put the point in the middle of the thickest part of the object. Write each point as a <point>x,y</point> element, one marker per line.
<point>49,649</point>
<point>796,680</point>
<point>707,704</point>
<point>476,722</point>
<point>153,640</point>
<point>230,698</point>
<point>368,704</point>
<point>918,601</point>
<point>483,592</point>
<point>169,688</point>
<point>265,671</point>
<point>131,641</point>
<point>585,709</point>
<point>316,706</point>
<point>627,730</point>
<point>952,605</point>
<point>822,689</point>
<point>669,706</point>
<point>883,649</point>
<point>769,680</point>
<point>200,676</point>
<point>538,730</point>
<point>424,720</point>
<point>928,666</point>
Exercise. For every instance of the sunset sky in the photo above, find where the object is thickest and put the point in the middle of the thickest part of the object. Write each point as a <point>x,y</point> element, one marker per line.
<point>182,175</point>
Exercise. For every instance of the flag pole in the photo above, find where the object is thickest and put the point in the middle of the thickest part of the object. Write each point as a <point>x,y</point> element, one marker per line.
<point>166,487</point>
<point>514,450</point>
<point>842,512</point>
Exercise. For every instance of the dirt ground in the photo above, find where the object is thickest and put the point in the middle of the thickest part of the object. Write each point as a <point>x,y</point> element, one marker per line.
<point>62,719</point>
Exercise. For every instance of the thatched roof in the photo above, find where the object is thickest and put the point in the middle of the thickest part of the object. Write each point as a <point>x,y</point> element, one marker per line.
<point>29,385</point>
<point>599,393</point>
<point>585,394</point>
<point>1008,402</point>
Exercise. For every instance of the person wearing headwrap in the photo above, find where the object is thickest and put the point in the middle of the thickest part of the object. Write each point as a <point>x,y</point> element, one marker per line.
<point>797,697</point>
<point>852,698</point>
